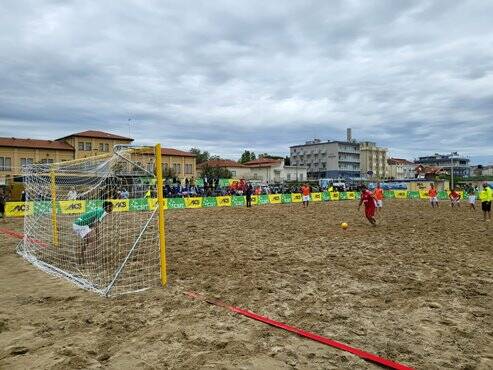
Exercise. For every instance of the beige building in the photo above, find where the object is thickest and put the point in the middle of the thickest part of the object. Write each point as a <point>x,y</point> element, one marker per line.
<point>400,169</point>
<point>374,159</point>
<point>15,153</point>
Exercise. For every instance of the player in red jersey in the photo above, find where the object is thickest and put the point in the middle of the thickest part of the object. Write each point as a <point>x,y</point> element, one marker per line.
<point>370,205</point>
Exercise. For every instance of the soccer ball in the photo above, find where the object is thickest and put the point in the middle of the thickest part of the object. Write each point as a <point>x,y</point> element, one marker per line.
<point>344,226</point>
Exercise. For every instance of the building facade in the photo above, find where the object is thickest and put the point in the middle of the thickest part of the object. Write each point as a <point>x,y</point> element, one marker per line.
<point>400,169</point>
<point>16,153</point>
<point>373,160</point>
<point>330,159</point>
<point>459,164</point>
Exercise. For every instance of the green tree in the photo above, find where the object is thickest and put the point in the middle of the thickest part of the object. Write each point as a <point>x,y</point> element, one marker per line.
<point>201,157</point>
<point>247,156</point>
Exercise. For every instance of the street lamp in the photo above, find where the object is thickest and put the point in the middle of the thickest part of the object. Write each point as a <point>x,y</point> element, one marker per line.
<point>452,156</point>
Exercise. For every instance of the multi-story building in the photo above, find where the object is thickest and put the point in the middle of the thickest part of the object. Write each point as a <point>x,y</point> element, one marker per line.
<point>16,153</point>
<point>400,169</point>
<point>373,160</point>
<point>446,161</point>
<point>481,170</point>
<point>329,159</point>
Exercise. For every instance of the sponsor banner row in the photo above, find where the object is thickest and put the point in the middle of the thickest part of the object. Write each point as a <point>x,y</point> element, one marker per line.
<point>68,207</point>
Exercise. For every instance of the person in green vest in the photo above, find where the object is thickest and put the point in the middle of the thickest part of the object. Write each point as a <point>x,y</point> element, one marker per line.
<point>486,197</point>
<point>86,226</point>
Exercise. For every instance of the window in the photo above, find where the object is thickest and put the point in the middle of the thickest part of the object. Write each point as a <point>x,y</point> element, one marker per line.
<point>101,147</point>
<point>26,161</point>
<point>288,177</point>
<point>232,173</point>
<point>46,161</point>
<point>177,168</point>
<point>81,145</point>
<point>188,169</point>
<point>106,147</point>
<point>87,146</point>
<point>301,177</point>
<point>5,164</point>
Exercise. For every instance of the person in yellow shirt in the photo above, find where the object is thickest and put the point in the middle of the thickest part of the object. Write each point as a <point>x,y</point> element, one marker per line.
<point>486,197</point>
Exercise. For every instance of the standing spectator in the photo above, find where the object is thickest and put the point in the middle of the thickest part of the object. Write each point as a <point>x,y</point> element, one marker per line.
<point>486,197</point>
<point>72,194</point>
<point>3,200</point>
<point>23,196</point>
<point>248,193</point>
<point>124,194</point>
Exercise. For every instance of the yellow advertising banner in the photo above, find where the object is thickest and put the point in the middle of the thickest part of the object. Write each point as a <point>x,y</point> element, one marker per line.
<point>195,202</point>
<point>224,201</point>
<point>351,195</point>
<point>120,205</point>
<point>70,207</point>
<point>19,209</point>
<point>296,198</point>
<point>254,200</point>
<point>316,197</point>
<point>275,198</point>
<point>423,194</point>
<point>400,194</point>
<point>334,195</point>
<point>152,203</point>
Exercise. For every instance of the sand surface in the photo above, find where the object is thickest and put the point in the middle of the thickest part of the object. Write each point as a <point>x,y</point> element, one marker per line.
<point>416,289</point>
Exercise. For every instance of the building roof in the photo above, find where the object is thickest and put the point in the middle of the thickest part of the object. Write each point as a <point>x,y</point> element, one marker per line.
<point>34,143</point>
<point>263,162</point>
<point>429,170</point>
<point>222,163</point>
<point>176,152</point>
<point>398,161</point>
<point>97,135</point>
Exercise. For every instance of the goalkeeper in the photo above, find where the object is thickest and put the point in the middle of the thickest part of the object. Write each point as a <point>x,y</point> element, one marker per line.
<point>85,225</point>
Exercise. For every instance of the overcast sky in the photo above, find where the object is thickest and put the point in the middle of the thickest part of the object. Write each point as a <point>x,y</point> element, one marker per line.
<point>224,76</point>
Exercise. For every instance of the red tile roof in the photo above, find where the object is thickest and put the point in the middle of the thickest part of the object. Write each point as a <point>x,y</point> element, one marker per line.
<point>34,143</point>
<point>264,162</point>
<point>222,163</point>
<point>176,152</point>
<point>429,170</point>
<point>97,135</point>
<point>398,161</point>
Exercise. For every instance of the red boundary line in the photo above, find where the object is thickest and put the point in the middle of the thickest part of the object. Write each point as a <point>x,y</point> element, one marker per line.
<point>20,235</point>
<point>315,337</point>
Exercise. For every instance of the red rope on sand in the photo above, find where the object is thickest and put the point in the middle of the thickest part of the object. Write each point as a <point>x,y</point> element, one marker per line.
<point>20,235</point>
<point>303,333</point>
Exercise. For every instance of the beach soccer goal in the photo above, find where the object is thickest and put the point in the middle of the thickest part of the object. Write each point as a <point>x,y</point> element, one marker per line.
<point>98,221</point>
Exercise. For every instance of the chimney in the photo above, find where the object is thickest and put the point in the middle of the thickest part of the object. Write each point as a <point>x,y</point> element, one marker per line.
<point>349,135</point>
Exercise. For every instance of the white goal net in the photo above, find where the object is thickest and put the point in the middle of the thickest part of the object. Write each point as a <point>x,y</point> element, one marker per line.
<point>94,221</point>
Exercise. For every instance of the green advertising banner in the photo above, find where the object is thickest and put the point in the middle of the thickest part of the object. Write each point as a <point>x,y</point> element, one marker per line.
<point>93,204</point>
<point>388,194</point>
<point>239,201</point>
<point>175,203</point>
<point>42,208</point>
<point>443,195</point>
<point>223,183</point>
<point>199,183</point>
<point>138,204</point>
<point>286,198</point>
<point>325,196</point>
<point>343,195</point>
<point>209,202</point>
<point>263,199</point>
<point>413,194</point>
